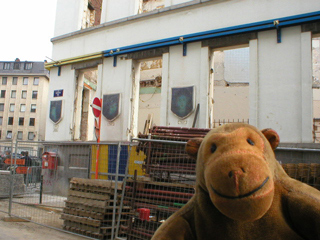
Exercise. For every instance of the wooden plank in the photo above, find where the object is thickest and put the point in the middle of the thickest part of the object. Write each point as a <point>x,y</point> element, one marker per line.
<point>83,213</point>
<point>180,185</point>
<point>84,227</point>
<point>89,195</point>
<point>95,182</point>
<point>84,220</point>
<point>90,202</point>
<point>92,189</point>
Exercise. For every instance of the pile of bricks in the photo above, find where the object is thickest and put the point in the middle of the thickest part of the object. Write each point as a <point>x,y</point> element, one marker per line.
<point>89,208</point>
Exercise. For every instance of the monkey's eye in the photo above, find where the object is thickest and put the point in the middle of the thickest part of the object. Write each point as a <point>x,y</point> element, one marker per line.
<point>250,142</point>
<point>213,148</point>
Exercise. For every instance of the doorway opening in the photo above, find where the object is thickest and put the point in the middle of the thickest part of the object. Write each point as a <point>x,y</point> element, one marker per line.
<point>83,116</point>
<point>316,87</point>
<point>149,94</point>
<point>230,83</point>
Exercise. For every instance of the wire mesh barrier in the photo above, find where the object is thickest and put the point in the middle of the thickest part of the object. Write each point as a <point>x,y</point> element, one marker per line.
<point>166,159</point>
<point>165,184</point>
<point>140,184</point>
<point>305,172</point>
<point>220,122</point>
<point>41,172</point>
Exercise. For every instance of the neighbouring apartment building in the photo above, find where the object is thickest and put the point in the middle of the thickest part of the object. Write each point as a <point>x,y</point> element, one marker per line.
<point>183,63</point>
<point>23,100</point>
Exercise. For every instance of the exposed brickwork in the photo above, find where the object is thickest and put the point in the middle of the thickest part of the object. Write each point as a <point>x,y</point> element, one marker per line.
<point>96,4</point>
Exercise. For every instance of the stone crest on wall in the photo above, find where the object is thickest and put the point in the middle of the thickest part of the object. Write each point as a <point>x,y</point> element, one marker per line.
<point>111,106</point>
<point>182,101</point>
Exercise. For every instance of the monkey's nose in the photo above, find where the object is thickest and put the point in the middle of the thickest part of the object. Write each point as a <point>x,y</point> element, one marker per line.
<point>237,172</point>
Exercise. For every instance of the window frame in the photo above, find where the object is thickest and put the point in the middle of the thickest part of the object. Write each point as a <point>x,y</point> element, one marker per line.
<point>12,107</point>
<point>15,94</point>
<point>36,83</point>
<point>25,82</point>
<point>5,66</point>
<point>15,82</point>
<point>33,137</point>
<point>33,122</point>
<point>35,94</point>
<point>16,65</point>
<point>10,121</point>
<point>28,66</point>
<point>9,133</point>
<point>4,81</point>
<point>21,105</point>
<point>3,94</point>
<point>35,108</point>
<point>22,93</point>
<point>21,121</point>
<point>20,132</point>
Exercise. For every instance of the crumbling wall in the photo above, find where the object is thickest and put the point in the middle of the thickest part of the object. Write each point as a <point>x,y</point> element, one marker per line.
<point>150,92</point>
<point>316,76</point>
<point>96,4</point>
<point>150,5</point>
<point>316,62</point>
<point>91,13</point>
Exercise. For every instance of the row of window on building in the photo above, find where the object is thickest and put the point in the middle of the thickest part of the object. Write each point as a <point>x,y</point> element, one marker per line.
<point>22,107</point>
<point>17,65</point>
<point>23,94</point>
<point>15,81</point>
<point>31,135</point>
<point>21,121</point>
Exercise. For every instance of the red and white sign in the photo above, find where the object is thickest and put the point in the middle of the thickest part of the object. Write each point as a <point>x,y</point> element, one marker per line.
<point>96,107</point>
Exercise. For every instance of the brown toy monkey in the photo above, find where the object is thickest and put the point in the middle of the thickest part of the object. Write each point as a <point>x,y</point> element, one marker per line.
<point>242,192</point>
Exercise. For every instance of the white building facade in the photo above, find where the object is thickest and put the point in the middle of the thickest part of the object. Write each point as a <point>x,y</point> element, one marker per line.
<point>106,60</point>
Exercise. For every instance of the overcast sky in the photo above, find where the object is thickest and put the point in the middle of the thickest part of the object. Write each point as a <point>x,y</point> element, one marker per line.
<point>26,29</point>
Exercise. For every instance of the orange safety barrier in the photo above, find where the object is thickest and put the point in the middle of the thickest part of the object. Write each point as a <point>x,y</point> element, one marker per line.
<point>18,161</point>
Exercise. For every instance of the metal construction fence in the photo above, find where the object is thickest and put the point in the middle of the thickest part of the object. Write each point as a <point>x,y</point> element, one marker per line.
<point>35,178</point>
<point>140,184</point>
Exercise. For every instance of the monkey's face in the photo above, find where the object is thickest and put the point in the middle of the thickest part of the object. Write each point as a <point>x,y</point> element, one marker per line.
<point>236,173</point>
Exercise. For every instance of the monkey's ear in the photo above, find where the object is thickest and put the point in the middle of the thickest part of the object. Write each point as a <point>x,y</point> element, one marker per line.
<point>192,147</point>
<point>272,136</point>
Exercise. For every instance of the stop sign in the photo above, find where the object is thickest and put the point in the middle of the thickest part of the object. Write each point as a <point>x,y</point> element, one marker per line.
<point>96,107</point>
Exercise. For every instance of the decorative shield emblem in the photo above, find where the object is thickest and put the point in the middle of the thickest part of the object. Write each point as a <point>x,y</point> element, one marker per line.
<point>182,101</point>
<point>55,113</point>
<point>111,106</point>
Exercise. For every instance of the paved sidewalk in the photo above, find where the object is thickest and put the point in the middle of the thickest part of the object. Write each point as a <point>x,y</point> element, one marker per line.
<point>28,230</point>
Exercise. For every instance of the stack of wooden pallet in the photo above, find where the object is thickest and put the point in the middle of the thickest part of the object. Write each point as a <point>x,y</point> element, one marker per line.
<point>159,199</point>
<point>89,208</point>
